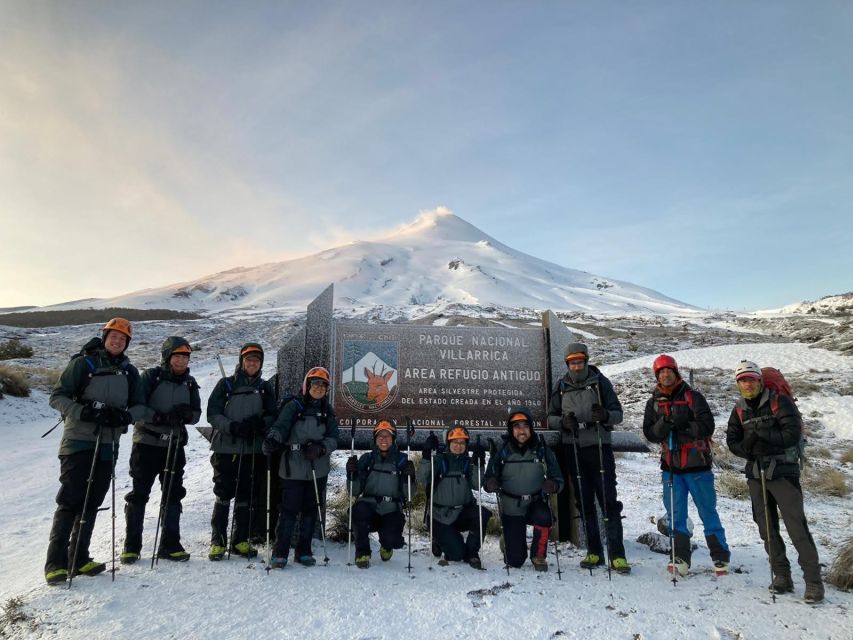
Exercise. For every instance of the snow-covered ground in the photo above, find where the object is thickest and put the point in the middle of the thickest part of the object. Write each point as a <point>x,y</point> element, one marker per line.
<point>236,598</point>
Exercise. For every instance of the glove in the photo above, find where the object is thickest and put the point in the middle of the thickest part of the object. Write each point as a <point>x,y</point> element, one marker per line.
<point>161,419</point>
<point>478,456</point>
<point>258,425</point>
<point>271,444</point>
<point>313,450</point>
<point>491,485</point>
<point>569,423</point>
<point>750,439</point>
<point>185,437</point>
<point>599,414</point>
<point>352,467</point>
<point>430,445</point>
<point>90,414</point>
<point>662,427</point>
<point>183,413</point>
<point>681,420</point>
<point>116,418</point>
<point>240,429</point>
<point>550,486</point>
<point>409,470</point>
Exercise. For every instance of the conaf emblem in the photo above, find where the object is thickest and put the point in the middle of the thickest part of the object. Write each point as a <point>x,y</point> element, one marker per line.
<point>369,377</point>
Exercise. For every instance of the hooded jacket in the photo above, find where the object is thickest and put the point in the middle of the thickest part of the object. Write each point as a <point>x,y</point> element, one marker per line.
<point>578,397</point>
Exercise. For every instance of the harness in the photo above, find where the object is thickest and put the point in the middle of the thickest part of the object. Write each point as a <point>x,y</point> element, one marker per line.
<point>502,456</point>
<point>794,454</point>
<point>701,446</point>
<point>399,466</point>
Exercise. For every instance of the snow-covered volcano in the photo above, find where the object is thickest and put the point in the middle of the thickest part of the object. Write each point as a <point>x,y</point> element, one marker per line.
<point>439,258</point>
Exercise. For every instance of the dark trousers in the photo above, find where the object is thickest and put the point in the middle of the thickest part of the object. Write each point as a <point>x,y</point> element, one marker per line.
<point>365,519</point>
<point>225,488</point>
<point>147,463</point>
<point>298,499</point>
<point>515,533</point>
<point>449,536</point>
<point>785,495</point>
<point>74,472</point>
<point>590,473</point>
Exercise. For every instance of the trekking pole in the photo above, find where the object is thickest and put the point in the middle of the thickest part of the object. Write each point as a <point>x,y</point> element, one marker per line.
<point>480,491</point>
<point>672,515</point>
<point>236,493</point>
<point>410,430</point>
<point>767,527</point>
<point>580,489</point>
<point>269,492</point>
<point>82,521</point>
<point>431,492</point>
<point>49,431</point>
<point>349,524</point>
<point>113,486</point>
<point>492,452</point>
<point>556,550</point>
<point>163,499</point>
<point>320,514</point>
<point>604,503</point>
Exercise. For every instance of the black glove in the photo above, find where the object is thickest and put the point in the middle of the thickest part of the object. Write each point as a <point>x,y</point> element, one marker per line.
<point>352,467</point>
<point>599,414</point>
<point>750,439</point>
<point>183,413</point>
<point>681,420</point>
<point>662,427</point>
<point>185,437</point>
<point>161,419</point>
<point>271,443</point>
<point>90,414</point>
<point>550,486</point>
<point>118,418</point>
<point>569,423</point>
<point>430,445</point>
<point>241,429</point>
<point>259,425</point>
<point>491,485</point>
<point>409,470</point>
<point>313,450</point>
<point>478,456</point>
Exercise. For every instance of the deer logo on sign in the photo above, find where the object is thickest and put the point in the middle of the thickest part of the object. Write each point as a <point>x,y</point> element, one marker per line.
<point>369,378</point>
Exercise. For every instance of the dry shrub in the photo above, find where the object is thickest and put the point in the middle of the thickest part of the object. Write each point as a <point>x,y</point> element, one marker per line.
<point>815,451</point>
<point>825,482</point>
<point>840,574</point>
<point>14,382</point>
<point>14,348</point>
<point>337,516</point>
<point>725,459</point>
<point>733,485</point>
<point>847,455</point>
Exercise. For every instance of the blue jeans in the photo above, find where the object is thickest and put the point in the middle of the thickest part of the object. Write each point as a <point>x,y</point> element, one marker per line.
<point>700,486</point>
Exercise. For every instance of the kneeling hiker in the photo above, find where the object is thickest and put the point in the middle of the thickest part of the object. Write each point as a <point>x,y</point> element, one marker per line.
<point>679,418</point>
<point>525,472</point>
<point>765,427</point>
<point>172,399</point>
<point>379,479</point>
<point>453,476</point>
<point>307,431</point>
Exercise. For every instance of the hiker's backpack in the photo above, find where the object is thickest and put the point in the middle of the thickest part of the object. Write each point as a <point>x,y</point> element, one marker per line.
<point>775,381</point>
<point>503,454</point>
<point>688,452</point>
<point>87,352</point>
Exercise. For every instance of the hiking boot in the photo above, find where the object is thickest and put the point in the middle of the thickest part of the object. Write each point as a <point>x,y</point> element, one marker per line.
<point>178,555</point>
<point>362,562</point>
<point>443,562</point>
<point>721,568</point>
<point>58,576</point>
<point>244,549</point>
<point>306,561</point>
<point>814,593</point>
<point>591,561</point>
<point>679,566</point>
<point>128,557</point>
<point>217,552</point>
<point>620,565</point>
<point>781,584</point>
<point>385,554</point>
<point>90,568</point>
<point>539,563</point>
<point>278,562</point>
<point>436,550</point>
<point>474,562</point>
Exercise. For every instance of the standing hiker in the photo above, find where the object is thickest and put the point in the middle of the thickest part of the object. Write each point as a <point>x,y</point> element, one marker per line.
<point>306,432</point>
<point>584,405</point>
<point>379,479</point>
<point>172,399</point>
<point>525,473</point>
<point>679,419</point>
<point>765,428</point>
<point>240,409</point>
<point>453,475</point>
<point>98,394</point>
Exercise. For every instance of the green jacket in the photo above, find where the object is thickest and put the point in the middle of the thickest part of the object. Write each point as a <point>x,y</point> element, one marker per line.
<point>521,471</point>
<point>455,480</point>
<point>95,378</point>
<point>381,481</point>
<point>164,391</point>
<point>233,399</point>
<point>300,422</point>
<point>578,398</point>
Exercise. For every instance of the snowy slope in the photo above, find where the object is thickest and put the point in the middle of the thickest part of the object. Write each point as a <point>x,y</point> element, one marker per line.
<point>439,258</point>
<point>236,599</point>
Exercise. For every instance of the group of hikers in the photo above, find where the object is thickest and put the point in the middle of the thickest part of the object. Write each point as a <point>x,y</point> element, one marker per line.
<point>100,395</point>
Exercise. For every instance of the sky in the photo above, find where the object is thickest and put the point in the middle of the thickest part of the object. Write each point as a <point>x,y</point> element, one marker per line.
<point>704,150</point>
